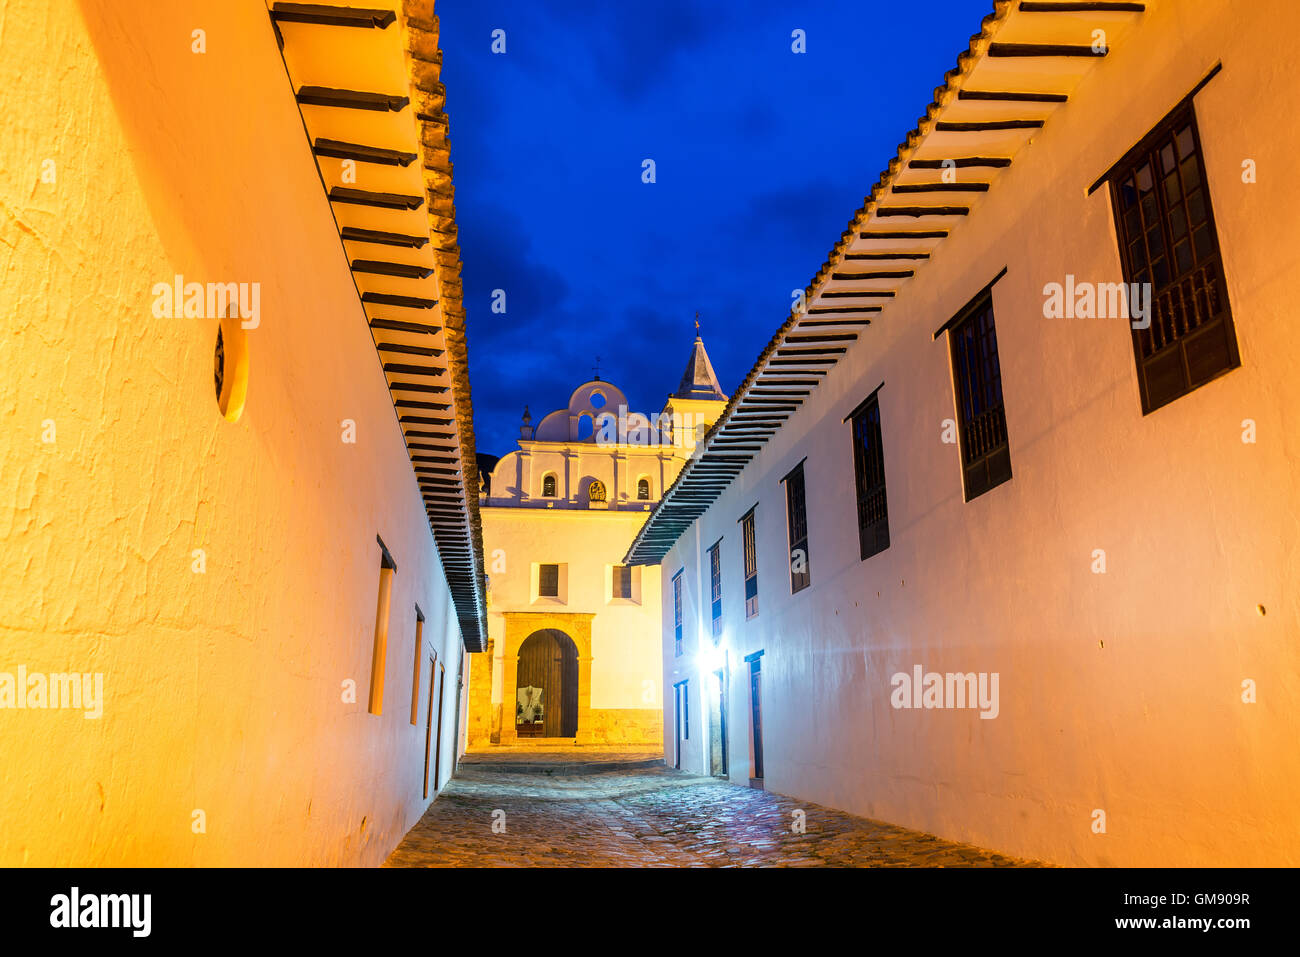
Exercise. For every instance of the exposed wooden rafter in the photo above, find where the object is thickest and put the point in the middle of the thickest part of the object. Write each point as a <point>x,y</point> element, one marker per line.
<point>406,204</point>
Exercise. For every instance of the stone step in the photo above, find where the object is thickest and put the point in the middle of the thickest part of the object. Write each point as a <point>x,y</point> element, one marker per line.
<point>553,767</point>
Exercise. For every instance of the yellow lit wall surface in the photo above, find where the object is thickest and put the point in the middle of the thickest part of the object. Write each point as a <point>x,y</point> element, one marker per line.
<point>224,690</point>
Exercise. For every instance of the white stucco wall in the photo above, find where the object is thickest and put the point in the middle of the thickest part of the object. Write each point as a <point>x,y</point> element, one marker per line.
<point>624,645</point>
<point>1120,691</point>
<point>223,689</point>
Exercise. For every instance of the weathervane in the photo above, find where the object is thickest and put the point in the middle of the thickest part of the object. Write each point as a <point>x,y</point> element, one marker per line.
<point>697,324</point>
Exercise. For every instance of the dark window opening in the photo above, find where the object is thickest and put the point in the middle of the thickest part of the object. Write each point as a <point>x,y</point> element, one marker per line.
<point>622,581</point>
<point>643,490</point>
<point>1167,239</point>
<point>796,516</point>
<point>548,486</point>
<point>981,413</point>
<point>548,581</point>
<point>869,476</point>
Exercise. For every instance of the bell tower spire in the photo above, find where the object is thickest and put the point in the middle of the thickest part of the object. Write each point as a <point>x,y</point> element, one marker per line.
<point>699,380</point>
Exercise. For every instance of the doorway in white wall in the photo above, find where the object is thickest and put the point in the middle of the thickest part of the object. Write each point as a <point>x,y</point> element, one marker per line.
<point>718,723</point>
<point>755,662</point>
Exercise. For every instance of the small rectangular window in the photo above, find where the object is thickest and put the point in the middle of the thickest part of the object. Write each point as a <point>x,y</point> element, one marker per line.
<point>749,547</point>
<point>548,581</point>
<point>977,383</point>
<point>419,654</point>
<point>428,722</point>
<point>379,654</point>
<point>869,477</point>
<point>796,517</point>
<point>715,586</point>
<point>677,613</point>
<point>1168,244</point>
<point>622,583</point>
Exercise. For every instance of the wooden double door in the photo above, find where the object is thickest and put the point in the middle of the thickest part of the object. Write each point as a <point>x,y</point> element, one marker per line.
<point>548,659</point>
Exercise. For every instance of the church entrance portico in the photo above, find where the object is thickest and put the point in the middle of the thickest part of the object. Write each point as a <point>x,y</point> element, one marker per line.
<point>550,651</point>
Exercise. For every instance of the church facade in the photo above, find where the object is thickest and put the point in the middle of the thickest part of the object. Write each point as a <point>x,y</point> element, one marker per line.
<point>573,633</point>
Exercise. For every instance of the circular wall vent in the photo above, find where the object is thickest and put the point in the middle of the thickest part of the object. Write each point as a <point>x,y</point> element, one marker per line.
<point>230,368</point>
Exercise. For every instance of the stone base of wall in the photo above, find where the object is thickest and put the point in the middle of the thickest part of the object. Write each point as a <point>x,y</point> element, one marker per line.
<point>627,726</point>
<point>612,726</point>
<point>483,718</point>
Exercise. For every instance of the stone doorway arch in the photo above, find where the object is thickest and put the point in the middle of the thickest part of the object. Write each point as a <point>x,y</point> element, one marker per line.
<point>522,625</point>
<point>548,662</point>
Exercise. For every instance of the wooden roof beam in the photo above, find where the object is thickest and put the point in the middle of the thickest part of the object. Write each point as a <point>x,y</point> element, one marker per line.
<point>1012,96</point>
<point>961,162</point>
<point>407,302</point>
<point>400,325</point>
<point>408,349</point>
<point>878,274</point>
<point>403,386</point>
<point>987,126</point>
<point>324,14</point>
<point>903,234</point>
<point>355,234</point>
<point>916,212</point>
<point>838,337</point>
<point>361,153</point>
<point>366,197</point>
<point>1087,6</point>
<point>902,188</point>
<point>1045,49</point>
<point>407,369</point>
<point>878,256</point>
<point>351,99</point>
<point>400,270</point>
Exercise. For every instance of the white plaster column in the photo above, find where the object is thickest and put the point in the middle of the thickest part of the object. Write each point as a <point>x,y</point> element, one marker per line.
<point>525,474</point>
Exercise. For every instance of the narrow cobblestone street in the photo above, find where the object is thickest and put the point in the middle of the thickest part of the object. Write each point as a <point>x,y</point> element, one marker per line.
<point>567,811</point>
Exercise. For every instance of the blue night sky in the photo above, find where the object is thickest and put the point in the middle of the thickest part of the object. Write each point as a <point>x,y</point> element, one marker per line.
<point>762,156</point>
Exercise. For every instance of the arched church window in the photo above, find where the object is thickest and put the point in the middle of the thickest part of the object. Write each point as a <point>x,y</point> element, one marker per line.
<point>643,489</point>
<point>548,486</point>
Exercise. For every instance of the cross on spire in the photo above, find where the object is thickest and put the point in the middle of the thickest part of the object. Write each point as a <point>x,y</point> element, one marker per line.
<point>595,372</point>
<point>697,324</point>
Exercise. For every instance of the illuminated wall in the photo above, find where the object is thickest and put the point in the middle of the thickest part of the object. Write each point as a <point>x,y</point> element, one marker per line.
<point>224,688</point>
<point>626,698</point>
<point>1120,691</point>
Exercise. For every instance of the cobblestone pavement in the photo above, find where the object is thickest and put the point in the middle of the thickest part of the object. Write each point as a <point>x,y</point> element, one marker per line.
<point>653,817</point>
